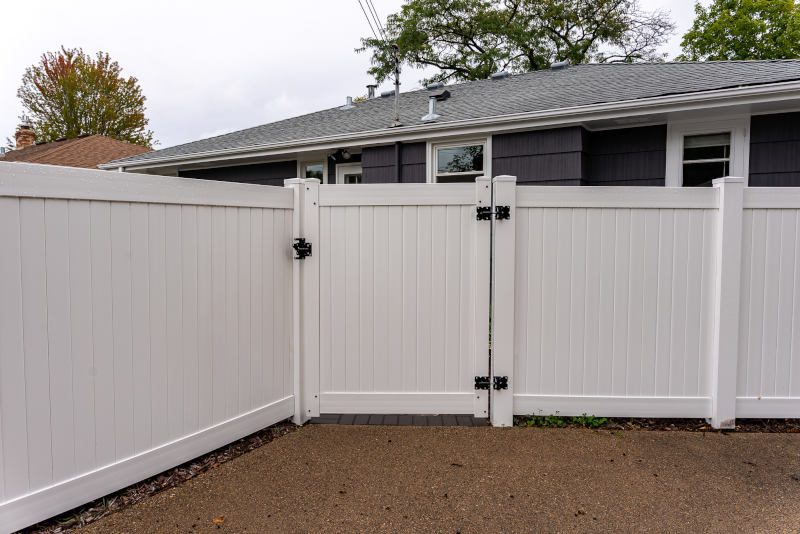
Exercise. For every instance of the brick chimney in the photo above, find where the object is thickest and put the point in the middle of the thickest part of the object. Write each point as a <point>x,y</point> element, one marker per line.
<point>25,136</point>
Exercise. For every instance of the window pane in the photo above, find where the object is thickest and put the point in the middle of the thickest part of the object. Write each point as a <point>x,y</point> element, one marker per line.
<point>699,141</point>
<point>314,170</point>
<point>701,174</point>
<point>714,146</point>
<point>460,159</point>
<point>352,178</point>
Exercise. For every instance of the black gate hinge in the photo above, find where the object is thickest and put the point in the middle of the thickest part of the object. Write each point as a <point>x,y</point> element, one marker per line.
<point>302,248</point>
<point>482,382</point>
<point>500,382</point>
<point>501,213</point>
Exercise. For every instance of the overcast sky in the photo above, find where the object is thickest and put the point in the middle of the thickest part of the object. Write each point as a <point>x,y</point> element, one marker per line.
<point>212,67</point>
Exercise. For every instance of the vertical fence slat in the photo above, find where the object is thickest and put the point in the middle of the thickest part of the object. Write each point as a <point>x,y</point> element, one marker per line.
<point>34,318</point>
<point>189,318</point>
<point>102,336</point>
<point>140,325</point>
<point>122,332</point>
<point>12,362</point>
<point>59,337</point>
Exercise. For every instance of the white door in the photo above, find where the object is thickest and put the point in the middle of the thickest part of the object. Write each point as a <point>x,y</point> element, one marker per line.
<point>348,174</point>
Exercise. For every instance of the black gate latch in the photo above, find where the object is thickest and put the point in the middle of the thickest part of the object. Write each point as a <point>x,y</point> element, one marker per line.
<point>501,213</point>
<point>302,248</point>
<point>482,382</point>
<point>500,382</point>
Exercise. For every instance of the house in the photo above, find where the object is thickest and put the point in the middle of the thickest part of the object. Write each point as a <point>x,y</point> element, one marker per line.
<point>645,124</point>
<point>86,151</point>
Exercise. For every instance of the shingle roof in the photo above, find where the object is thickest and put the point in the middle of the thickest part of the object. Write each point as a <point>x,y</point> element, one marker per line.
<point>87,152</point>
<point>574,86</point>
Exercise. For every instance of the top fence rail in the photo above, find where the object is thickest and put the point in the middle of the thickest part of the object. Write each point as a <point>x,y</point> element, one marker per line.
<point>27,180</point>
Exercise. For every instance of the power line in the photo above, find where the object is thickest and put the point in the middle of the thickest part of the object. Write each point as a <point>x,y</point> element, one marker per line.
<point>377,19</point>
<point>368,20</point>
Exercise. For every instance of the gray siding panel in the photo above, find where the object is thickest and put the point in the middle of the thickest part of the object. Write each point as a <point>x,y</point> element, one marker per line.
<point>775,150</point>
<point>544,157</point>
<point>541,168</point>
<point>378,164</point>
<point>261,173</point>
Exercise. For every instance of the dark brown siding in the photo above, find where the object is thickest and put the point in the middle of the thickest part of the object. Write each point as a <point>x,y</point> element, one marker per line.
<point>261,173</point>
<point>630,156</point>
<point>775,150</point>
<point>378,163</point>
<point>544,157</point>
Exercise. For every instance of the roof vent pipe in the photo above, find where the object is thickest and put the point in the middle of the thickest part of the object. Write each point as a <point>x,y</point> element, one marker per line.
<point>371,90</point>
<point>434,85</point>
<point>559,65</point>
<point>432,115</point>
<point>348,103</point>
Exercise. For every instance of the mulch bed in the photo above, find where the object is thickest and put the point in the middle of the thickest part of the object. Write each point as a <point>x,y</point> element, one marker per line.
<point>685,425</point>
<point>113,502</point>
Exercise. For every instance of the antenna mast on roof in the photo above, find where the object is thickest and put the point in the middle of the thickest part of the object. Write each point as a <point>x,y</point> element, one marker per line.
<point>396,57</point>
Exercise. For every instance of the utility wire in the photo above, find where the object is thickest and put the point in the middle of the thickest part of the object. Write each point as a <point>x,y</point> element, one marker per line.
<point>377,18</point>
<point>368,20</point>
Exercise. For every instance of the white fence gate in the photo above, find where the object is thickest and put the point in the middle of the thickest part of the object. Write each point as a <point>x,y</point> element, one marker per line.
<point>398,283</point>
<point>145,321</point>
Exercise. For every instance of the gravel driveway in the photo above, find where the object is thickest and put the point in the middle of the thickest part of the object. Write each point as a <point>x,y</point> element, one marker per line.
<point>440,479</point>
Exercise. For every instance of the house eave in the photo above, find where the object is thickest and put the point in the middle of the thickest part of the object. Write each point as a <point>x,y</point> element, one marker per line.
<point>563,116</point>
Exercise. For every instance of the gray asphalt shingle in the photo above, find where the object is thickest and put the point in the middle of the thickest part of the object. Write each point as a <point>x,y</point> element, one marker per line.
<point>575,86</point>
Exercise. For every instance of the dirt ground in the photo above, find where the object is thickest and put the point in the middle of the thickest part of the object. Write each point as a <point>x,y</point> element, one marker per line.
<point>439,479</point>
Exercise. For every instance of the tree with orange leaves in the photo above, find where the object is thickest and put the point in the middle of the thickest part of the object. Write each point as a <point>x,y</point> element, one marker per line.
<point>69,93</point>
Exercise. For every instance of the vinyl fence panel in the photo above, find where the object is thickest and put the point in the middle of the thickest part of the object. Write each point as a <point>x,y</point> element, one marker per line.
<point>133,327</point>
<point>614,301</point>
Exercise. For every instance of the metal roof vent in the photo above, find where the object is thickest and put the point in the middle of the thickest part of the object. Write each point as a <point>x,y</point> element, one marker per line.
<point>500,75</point>
<point>388,93</point>
<point>435,85</point>
<point>348,103</point>
<point>559,65</point>
<point>371,90</point>
<point>432,115</point>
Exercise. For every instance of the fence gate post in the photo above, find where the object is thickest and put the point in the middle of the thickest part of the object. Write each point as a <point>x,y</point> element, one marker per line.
<point>503,266</point>
<point>482,280</point>
<point>725,348</point>
<point>305,298</point>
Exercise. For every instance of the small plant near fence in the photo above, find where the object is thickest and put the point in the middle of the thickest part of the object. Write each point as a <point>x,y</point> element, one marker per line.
<point>559,421</point>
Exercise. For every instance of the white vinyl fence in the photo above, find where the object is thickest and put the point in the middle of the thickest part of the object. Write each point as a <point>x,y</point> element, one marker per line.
<point>650,302</point>
<point>146,320</point>
<point>404,296</point>
<point>143,321</point>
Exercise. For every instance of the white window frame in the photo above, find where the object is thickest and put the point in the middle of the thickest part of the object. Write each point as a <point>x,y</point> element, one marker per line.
<point>432,147</point>
<point>738,127</point>
<point>301,165</point>
<point>347,168</point>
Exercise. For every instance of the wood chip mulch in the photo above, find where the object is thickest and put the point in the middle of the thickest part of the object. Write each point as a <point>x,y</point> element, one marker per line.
<point>88,513</point>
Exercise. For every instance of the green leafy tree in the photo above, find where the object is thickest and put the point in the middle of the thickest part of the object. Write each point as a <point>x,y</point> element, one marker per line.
<point>470,39</point>
<point>744,29</point>
<point>68,93</point>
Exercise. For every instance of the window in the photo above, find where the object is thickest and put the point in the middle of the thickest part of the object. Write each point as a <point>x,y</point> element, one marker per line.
<point>313,170</point>
<point>706,157</point>
<point>348,174</point>
<point>458,163</point>
<point>703,149</point>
